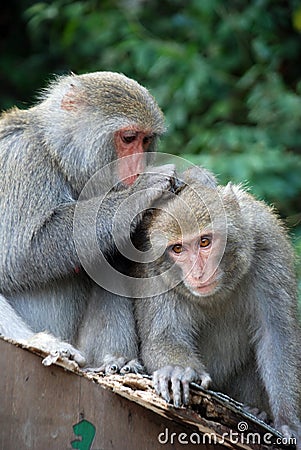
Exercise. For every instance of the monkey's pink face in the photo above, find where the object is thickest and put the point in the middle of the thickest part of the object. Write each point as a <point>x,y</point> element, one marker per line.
<point>131,142</point>
<point>198,258</point>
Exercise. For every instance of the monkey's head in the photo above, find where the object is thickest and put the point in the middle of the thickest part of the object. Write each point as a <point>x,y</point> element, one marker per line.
<point>96,118</point>
<point>206,239</point>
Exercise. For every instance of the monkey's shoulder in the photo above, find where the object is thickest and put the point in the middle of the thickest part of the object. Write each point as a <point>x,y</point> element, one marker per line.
<point>264,216</point>
<point>14,121</point>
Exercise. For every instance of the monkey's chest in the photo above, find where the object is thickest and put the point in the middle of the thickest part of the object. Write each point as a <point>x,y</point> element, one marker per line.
<point>225,349</point>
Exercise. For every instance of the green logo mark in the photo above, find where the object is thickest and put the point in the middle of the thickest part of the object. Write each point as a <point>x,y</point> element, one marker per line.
<point>86,430</point>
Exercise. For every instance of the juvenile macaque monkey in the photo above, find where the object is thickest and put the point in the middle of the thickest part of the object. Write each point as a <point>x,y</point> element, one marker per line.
<point>228,316</point>
<point>47,155</point>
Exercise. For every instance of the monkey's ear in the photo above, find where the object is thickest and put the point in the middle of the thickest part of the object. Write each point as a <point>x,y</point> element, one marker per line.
<point>72,99</point>
<point>230,193</point>
<point>201,175</point>
<point>229,188</point>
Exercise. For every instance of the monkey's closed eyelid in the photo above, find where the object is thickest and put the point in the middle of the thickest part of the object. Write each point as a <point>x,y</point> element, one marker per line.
<point>129,138</point>
<point>148,139</point>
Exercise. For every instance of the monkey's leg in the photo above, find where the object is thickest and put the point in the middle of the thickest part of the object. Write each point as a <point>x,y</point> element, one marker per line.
<point>107,335</point>
<point>169,350</point>
<point>277,348</point>
<point>14,327</point>
<point>11,324</point>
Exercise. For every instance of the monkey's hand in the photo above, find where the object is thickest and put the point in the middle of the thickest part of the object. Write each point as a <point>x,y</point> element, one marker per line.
<point>152,186</point>
<point>155,182</point>
<point>114,364</point>
<point>173,381</point>
<point>57,349</point>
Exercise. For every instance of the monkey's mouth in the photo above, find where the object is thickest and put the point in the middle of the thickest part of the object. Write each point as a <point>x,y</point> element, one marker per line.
<point>202,289</point>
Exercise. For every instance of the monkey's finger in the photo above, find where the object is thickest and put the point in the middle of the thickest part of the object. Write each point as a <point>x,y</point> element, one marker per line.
<point>132,366</point>
<point>186,392</point>
<point>126,369</point>
<point>112,364</point>
<point>262,415</point>
<point>69,352</point>
<point>50,359</point>
<point>205,380</point>
<point>166,169</point>
<point>161,385</point>
<point>177,185</point>
<point>164,388</point>
<point>111,369</point>
<point>78,358</point>
<point>176,391</point>
<point>156,382</point>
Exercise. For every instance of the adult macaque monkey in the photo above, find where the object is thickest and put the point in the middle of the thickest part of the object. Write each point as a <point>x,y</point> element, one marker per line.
<point>47,155</point>
<point>231,321</point>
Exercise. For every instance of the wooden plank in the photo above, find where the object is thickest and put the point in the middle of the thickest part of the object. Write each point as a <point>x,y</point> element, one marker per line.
<point>52,407</point>
<point>40,405</point>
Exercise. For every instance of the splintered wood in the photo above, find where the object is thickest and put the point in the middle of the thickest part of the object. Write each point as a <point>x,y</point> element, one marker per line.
<point>209,412</point>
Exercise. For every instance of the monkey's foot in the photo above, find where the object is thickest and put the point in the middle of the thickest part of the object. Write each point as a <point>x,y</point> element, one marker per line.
<point>57,349</point>
<point>113,364</point>
<point>173,381</point>
<point>261,415</point>
<point>291,432</point>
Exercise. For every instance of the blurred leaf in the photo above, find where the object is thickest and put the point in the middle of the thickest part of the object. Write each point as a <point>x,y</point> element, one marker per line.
<point>297,19</point>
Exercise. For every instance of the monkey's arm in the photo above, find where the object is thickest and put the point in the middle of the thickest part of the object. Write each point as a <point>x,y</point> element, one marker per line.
<point>11,324</point>
<point>168,347</point>
<point>278,339</point>
<point>278,346</point>
<point>45,242</point>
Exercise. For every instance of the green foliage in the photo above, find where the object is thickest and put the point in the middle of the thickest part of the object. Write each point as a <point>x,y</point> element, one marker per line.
<point>226,74</point>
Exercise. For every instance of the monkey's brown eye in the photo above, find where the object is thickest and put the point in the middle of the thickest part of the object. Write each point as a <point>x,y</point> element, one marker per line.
<point>205,241</point>
<point>177,248</point>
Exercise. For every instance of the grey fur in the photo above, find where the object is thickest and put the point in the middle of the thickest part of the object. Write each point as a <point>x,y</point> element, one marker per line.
<point>47,155</point>
<point>245,335</point>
